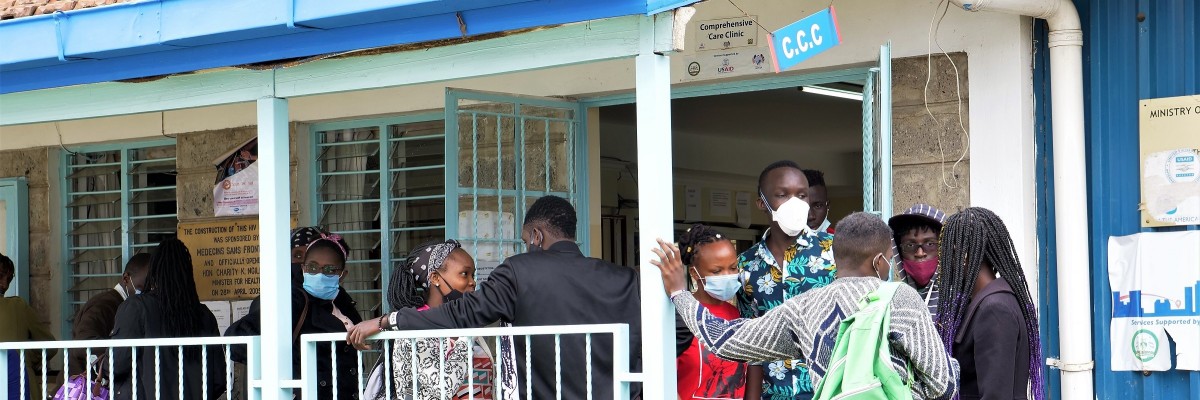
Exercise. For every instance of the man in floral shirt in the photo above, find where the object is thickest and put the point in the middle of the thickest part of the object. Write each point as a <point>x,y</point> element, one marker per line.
<point>807,263</point>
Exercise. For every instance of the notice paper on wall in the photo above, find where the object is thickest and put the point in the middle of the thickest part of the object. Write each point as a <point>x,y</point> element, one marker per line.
<point>221,310</point>
<point>744,199</point>
<point>718,203</point>
<point>691,205</point>
<point>1155,279</point>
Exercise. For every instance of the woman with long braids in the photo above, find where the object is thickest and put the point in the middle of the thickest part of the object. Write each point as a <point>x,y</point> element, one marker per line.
<point>712,267</point>
<point>432,275</point>
<point>988,323</point>
<point>169,308</point>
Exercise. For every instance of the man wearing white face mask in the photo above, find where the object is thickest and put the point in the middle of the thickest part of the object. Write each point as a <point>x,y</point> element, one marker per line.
<point>790,260</point>
<point>711,261</point>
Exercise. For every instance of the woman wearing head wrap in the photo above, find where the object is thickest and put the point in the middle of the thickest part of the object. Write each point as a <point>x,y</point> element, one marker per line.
<point>432,275</point>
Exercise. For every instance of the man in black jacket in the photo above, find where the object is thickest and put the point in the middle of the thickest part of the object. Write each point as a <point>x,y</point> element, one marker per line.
<point>552,284</point>
<point>97,317</point>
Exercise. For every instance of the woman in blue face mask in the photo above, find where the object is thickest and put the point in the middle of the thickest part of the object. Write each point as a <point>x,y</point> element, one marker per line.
<point>323,306</point>
<point>711,262</point>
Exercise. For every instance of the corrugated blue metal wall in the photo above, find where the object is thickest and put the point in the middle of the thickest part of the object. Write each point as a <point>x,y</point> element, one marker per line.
<point>1133,50</point>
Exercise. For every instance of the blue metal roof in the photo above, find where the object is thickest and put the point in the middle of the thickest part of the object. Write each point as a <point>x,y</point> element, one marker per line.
<point>150,38</point>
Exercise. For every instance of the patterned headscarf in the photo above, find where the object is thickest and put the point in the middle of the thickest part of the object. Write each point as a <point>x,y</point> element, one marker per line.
<point>302,237</point>
<point>430,258</point>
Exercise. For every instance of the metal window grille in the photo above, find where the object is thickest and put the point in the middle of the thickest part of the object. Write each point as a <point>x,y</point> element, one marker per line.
<point>385,193</point>
<point>119,202</point>
<point>510,151</point>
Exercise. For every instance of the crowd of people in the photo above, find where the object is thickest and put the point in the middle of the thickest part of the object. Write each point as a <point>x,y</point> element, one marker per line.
<point>765,323</point>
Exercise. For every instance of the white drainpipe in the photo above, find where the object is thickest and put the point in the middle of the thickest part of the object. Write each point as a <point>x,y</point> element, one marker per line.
<point>1070,185</point>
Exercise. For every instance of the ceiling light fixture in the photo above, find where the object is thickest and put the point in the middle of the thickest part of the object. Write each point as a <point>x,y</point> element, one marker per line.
<point>845,94</point>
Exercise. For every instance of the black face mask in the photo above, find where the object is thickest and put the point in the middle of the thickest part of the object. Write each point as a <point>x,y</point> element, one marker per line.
<point>454,294</point>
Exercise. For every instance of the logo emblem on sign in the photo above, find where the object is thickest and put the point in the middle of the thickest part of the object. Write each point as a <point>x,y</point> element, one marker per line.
<point>759,59</point>
<point>1145,345</point>
<point>694,68</point>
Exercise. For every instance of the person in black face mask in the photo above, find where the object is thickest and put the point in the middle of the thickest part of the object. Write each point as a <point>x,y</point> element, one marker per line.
<point>432,275</point>
<point>554,285</point>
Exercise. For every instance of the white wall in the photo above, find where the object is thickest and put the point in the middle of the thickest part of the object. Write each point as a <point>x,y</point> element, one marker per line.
<point>998,47</point>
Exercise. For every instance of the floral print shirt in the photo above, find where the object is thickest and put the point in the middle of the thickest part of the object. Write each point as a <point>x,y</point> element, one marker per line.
<point>767,283</point>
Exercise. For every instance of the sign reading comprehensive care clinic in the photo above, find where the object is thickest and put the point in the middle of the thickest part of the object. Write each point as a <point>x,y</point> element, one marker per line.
<point>1170,168</point>
<point>1155,280</point>
<point>721,34</point>
<point>804,39</point>
<point>224,257</point>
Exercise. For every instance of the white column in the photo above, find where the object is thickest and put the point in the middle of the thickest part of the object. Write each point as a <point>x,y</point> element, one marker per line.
<point>655,207</point>
<point>273,230</point>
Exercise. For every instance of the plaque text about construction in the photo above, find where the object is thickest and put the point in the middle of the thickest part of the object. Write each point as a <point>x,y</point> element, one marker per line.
<point>225,259</point>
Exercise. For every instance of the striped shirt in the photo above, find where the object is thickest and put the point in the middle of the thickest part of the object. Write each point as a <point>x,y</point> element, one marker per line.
<point>806,327</point>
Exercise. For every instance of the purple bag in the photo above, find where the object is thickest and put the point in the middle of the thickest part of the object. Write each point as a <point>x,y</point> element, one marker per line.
<point>78,389</point>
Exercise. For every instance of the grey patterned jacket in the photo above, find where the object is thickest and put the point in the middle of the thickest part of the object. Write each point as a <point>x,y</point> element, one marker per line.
<point>806,327</point>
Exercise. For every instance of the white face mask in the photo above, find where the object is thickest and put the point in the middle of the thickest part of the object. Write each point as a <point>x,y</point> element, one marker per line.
<point>792,215</point>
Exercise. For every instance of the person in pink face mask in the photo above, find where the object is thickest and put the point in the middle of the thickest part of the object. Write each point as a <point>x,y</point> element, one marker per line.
<point>916,234</point>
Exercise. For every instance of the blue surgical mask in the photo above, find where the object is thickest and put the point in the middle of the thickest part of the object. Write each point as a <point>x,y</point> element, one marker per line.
<point>722,287</point>
<point>322,286</point>
<point>891,268</point>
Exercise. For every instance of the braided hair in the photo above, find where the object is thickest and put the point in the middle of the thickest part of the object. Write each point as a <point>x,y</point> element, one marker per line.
<point>171,280</point>
<point>404,291</point>
<point>970,238</point>
<point>696,237</point>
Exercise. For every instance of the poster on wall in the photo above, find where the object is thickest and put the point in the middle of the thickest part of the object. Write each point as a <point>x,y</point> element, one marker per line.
<point>236,189</point>
<point>1170,163</point>
<point>225,258</point>
<point>1155,280</point>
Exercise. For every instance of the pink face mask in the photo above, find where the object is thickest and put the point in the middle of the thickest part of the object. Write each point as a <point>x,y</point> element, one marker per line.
<point>920,271</point>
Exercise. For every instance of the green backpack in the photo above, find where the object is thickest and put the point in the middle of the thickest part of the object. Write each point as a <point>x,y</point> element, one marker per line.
<point>861,365</point>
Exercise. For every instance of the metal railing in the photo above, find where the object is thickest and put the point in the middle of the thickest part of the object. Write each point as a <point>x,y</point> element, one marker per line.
<point>387,342</point>
<point>29,352</point>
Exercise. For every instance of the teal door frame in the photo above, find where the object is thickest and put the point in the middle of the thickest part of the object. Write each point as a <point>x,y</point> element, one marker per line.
<point>15,194</point>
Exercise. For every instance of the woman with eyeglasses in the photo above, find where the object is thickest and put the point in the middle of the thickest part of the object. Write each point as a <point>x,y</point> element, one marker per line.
<point>319,305</point>
<point>916,234</point>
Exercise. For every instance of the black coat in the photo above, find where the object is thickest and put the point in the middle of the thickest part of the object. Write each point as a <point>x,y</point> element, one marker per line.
<point>992,346</point>
<point>559,286</point>
<point>320,319</point>
<point>140,317</point>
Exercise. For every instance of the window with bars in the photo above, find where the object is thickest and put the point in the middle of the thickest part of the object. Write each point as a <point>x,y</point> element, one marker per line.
<point>119,202</point>
<point>381,186</point>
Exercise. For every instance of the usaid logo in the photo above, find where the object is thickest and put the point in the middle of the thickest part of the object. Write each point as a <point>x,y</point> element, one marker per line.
<point>725,68</point>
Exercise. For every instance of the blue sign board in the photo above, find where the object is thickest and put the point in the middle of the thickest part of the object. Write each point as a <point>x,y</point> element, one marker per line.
<point>805,38</point>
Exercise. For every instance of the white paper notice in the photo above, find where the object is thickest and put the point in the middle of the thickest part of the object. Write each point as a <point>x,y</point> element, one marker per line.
<point>718,203</point>
<point>220,309</point>
<point>240,308</point>
<point>691,203</point>
<point>743,209</point>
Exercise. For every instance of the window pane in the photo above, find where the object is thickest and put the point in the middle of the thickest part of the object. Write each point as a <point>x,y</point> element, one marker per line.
<point>98,209</point>
<point>351,202</point>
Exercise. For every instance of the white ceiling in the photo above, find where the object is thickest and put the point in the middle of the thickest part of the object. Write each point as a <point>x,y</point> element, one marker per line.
<point>741,133</point>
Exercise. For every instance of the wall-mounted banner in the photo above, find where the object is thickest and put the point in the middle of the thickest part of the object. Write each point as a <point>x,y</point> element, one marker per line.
<point>803,39</point>
<point>224,257</point>
<point>1170,147</point>
<point>236,190</point>
<point>721,34</point>
<point>1155,279</point>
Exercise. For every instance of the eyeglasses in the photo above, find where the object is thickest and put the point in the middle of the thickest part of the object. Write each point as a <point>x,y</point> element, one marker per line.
<point>312,267</point>
<point>910,248</point>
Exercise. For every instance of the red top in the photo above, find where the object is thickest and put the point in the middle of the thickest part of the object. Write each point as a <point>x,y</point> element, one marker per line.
<point>704,376</point>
